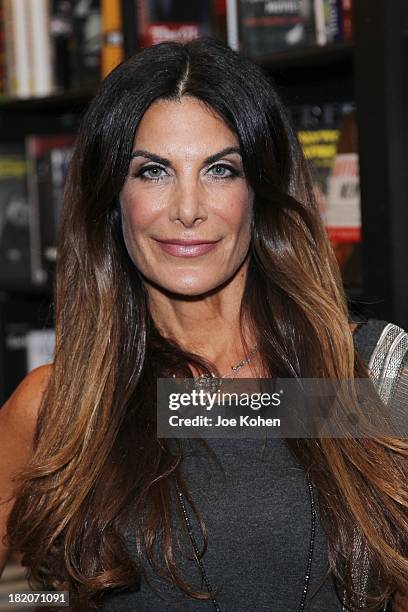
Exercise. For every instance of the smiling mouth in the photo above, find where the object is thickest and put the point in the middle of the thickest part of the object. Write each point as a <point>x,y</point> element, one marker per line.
<point>187,248</point>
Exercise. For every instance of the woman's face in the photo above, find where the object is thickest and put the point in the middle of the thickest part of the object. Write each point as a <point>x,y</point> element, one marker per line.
<point>186,184</point>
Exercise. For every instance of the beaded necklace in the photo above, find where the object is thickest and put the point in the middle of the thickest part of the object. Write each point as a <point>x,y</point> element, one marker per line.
<point>309,557</point>
<point>207,382</point>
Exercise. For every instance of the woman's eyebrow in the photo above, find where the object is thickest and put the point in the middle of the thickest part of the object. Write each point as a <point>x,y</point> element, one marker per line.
<point>166,162</point>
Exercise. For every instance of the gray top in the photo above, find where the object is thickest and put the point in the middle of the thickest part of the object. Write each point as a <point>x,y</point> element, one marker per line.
<point>258,522</point>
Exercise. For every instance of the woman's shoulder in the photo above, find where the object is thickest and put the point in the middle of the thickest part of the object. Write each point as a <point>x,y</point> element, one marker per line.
<point>18,419</point>
<point>23,404</point>
<point>19,416</point>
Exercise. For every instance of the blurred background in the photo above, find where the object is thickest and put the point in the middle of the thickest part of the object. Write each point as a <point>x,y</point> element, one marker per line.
<point>341,66</point>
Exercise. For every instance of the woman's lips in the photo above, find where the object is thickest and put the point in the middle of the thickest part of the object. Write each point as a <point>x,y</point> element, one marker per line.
<point>187,250</point>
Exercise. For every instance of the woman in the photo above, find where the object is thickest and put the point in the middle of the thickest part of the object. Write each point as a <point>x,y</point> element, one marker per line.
<point>190,243</point>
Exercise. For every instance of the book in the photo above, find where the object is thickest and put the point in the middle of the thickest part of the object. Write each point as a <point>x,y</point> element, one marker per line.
<point>21,40</point>
<point>328,21</point>
<point>334,21</point>
<point>320,22</point>
<point>85,43</point>
<point>272,26</point>
<point>48,158</point>
<point>9,63</point>
<point>61,33</point>
<point>112,36</point>
<point>15,262</point>
<point>16,29</point>
<point>130,27</point>
<point>159,21</point>
<point>28,58</point>
<point>26,338</point>
<point>318,133</point>
<point>55,164</point>
<point>346,11</point>
<point>232,22</point>
<point>39,47</point>
<point>3,76</point>
<point>343,211</point>
<point>219,23</point>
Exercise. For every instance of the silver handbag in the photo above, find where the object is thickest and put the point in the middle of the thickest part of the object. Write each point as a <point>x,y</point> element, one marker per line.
<point>388,366</point>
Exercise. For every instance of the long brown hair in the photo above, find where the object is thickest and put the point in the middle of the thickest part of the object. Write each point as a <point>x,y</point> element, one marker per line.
<point>96,455</point>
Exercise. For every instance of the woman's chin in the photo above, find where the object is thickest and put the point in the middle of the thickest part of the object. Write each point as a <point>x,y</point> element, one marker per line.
<point>191,287</point>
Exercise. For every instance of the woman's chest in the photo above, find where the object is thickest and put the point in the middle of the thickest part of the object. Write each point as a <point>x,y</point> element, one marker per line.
<point>259,524</point>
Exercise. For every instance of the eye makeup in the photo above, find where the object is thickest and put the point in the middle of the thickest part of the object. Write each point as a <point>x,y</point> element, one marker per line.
<point>143,172</point>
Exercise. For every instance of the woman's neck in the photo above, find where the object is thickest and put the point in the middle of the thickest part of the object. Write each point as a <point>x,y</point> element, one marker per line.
<point>207,325</point>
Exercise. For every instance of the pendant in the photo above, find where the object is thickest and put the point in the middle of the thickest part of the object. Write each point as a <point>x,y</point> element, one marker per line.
<point>207,383</point>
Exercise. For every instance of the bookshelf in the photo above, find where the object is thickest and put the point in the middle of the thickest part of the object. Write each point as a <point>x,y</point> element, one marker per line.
<point>371,71</point>
<point>66,100</point>
<point>313,56</point>
<point>381,91</point>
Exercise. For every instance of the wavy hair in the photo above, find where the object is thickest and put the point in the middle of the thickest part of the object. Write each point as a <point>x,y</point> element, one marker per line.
<point>96,455</point>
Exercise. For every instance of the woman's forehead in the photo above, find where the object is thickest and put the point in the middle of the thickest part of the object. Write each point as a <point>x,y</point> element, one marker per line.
<point>185,123</point>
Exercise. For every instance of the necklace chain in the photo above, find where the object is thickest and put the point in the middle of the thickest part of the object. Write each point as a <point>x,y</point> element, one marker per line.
<point>209,382</point>
<point>244,361</point>
<point>205,378</point>
<point>309,558</point>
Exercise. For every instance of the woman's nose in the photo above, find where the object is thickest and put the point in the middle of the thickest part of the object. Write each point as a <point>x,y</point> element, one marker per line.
<point>188,204</point>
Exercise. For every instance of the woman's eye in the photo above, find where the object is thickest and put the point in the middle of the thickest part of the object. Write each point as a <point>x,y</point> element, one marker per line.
<point>151,173</point>
<point>222,171</point>
<point>157,173</point>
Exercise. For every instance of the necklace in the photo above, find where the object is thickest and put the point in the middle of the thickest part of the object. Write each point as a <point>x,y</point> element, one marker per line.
<point>209,382</point>
<point>309,557</point>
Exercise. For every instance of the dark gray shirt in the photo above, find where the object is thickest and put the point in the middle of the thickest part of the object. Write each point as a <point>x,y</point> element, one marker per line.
<point>258,520</point>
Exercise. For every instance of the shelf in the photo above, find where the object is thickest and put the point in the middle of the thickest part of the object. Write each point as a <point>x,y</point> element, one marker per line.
<point>309,57</point>
<point>8,291</point>
<point>299,59</point>
<point>59,101</point>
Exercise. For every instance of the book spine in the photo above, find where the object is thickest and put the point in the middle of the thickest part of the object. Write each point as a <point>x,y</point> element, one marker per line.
<point>112,36</point>
<point>14,217</point>
<point>9,48</point>
<point>347,19</point>
<point>232,24</point>
<point>61,34</point>
<point>3,77</point>
<point>343,215</point>
<point>160,22</point>
<point>339,12</point>
<point>53,165</point>
<point>318,134</point>
<point>38,274</point>
<point>21,48</point>
<point>59,161</point>
<point>40,47</point>
<point>320,22</point>
<point>46,213</point>
<point>219,19</point>
<point>130,27</point>
<point>85,52</point>
<point>142,20</point>
<point>273,26</point>
<point>333,21</point>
